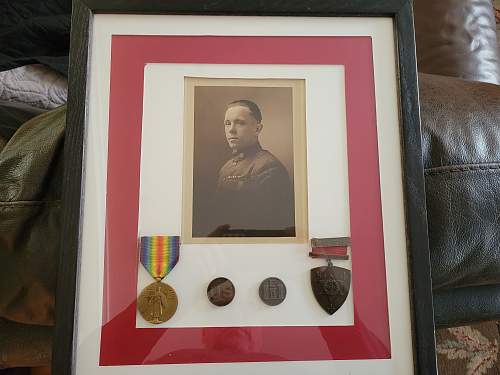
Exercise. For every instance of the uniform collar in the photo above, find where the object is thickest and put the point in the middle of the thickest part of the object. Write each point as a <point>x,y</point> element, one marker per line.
<point>249,151</point>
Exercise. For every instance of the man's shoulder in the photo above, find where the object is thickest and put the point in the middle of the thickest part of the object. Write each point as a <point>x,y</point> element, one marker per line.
<point>266,160</point>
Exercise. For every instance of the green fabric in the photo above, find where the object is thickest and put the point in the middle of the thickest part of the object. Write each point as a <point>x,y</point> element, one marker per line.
<point>30,214</point>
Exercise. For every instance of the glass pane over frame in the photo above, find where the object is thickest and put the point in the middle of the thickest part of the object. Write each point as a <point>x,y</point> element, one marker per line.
<point>380,33</point>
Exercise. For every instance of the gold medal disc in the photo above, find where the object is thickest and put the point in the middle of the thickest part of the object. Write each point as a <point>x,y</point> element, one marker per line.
<point>157,303</point>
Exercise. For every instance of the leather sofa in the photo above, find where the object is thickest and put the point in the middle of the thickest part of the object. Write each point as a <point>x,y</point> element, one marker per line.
<point>459,63</point>
<point>457,53</point>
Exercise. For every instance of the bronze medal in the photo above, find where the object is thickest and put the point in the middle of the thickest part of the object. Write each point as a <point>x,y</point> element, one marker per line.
<point>157,303</point>
<point>220,291</point>
<point>330,285</point>
<point>272,291</point>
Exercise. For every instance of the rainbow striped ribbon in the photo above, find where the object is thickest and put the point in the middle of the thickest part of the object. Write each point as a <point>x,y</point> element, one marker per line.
<point>159,254</point>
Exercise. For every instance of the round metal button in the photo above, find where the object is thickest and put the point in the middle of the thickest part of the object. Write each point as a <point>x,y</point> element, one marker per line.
<point>220,291</point>
<point>272,291</point>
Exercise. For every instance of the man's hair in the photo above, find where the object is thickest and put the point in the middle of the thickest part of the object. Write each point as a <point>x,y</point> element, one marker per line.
<point>254,108</point>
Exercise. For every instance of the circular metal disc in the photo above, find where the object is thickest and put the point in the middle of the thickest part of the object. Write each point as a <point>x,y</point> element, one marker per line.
<point>157,303</point>
<point>272,291</point>
<point>220,291</point>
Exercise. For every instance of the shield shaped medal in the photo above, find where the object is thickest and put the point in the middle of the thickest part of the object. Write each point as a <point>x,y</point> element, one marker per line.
<point>330,285</point>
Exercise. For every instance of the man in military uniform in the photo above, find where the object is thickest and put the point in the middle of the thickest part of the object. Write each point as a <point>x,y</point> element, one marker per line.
<point>255,194</point>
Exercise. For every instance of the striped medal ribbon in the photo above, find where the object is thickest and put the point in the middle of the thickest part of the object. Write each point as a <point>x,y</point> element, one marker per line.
<point>159,254</point>
<point>157,303</point>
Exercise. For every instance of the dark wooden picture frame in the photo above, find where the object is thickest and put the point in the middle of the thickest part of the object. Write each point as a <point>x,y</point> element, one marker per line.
<point>413,179</point>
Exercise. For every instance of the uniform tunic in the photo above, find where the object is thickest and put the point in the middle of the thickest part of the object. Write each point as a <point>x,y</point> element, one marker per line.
<point>255,194</point>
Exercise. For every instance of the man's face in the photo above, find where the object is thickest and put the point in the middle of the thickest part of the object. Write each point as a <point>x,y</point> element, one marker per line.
<point>242,128</point>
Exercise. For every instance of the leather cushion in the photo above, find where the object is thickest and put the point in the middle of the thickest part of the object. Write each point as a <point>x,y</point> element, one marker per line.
<point>461,150</point>
<point>24,345</point>
<point>31,170</point>
<point>457,38</point>
<point>461,306</point>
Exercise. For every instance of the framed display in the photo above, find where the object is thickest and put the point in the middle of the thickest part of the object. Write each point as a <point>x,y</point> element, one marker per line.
<point>243,191</point>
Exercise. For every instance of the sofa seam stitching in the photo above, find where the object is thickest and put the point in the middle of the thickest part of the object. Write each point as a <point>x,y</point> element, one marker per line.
<point>458,169</point>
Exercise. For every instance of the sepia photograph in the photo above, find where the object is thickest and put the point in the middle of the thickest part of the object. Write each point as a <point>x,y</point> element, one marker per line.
<point>245,158</point>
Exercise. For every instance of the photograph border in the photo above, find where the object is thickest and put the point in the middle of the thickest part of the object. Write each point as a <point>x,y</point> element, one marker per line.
<point>416,221</point>
<point>299,157</point>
